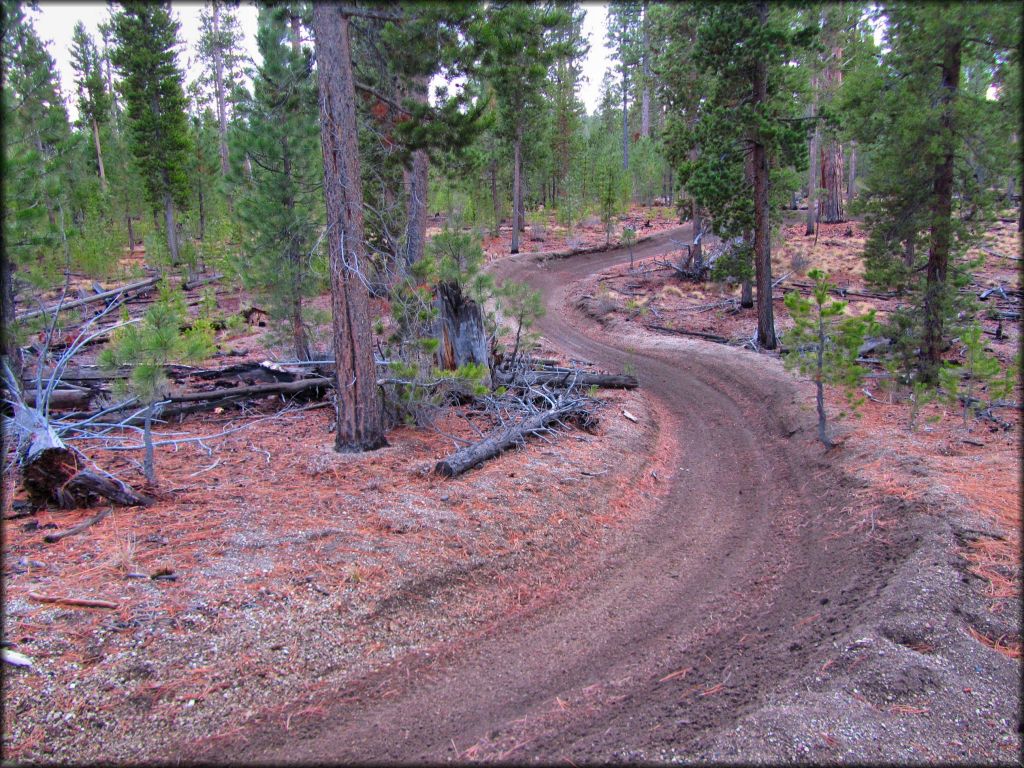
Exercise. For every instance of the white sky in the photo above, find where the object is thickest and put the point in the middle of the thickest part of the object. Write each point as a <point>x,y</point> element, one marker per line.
<point>55,23</point>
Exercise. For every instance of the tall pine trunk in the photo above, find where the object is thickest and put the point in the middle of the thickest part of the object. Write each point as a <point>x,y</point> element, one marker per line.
<point>941,208</point>
<point>418,181</point>
<point>625,118</point>
<point>814,155</point>
<point>218,82</point>
<point>10,350</point>
<point>831,208</point>
<point>360,417</point>
<point>495,198</point>
<point>99,154</point>
<point>762,226</point>
<point>172,229</point>
<point>645,96</point>
<point>517,187</point>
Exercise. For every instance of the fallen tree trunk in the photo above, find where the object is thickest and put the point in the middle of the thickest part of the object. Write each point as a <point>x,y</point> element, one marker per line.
<point>142,285</point>
<point>52,471</point>
<point>681,332</point>
<point>505,438</point>
<point>568,377</point>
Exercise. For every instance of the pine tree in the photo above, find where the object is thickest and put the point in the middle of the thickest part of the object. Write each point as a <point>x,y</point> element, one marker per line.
<point>823,343</point>
<point>280,208</point>
<point>925,129</point>
<point>746,126</point>
<point>360,418</point>
<point>94,103</point>
<point>147,36</point>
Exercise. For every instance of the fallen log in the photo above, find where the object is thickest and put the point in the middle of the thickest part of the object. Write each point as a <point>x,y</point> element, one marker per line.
<point>195,402</point>
<point>52,538</point>
<point>569,377</point>
<point>188,285</point>
<point>700,335</point>
<point>142,285</point>
<point>77,602</point>
<point>508,437</point>
<point>63,398</point>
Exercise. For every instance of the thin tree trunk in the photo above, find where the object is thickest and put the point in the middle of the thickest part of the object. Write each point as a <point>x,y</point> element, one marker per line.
<point>202,214</point>
<point>148,465</point>
<point>419,179</point>
<point>495,199</point>
<point>941,209</point>
<point>131,232</point>
<point>697,251</point>
<point>909,253</point>
<point>762,232</point>
<point>517,187</point>
<point>625,119</point>
<point>813,172</point>
<point>172,230</point>
<point>99,155</point>
<point>299,341</point>
<point>851,179</point>
<point>819,382</point>
<point>645,96</point>
<point>46,198</point>
<point>218,81</point>
<point>360,418</point>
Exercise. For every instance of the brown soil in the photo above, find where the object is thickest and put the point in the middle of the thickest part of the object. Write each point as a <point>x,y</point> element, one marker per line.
<point>753,598</point>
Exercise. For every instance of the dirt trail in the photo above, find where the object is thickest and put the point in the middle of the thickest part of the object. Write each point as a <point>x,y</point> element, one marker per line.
<point>719,597</point>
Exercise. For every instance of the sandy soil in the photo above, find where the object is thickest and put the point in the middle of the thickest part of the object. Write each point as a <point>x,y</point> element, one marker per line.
<point>751,599</point>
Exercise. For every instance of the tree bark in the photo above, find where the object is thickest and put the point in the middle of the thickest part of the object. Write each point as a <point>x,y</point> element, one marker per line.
<point>418,186</point>
<point>172,230</point>
<point>832,211</point>
<point>360,417</point>
<point>517,187</point>
<point>99,155</point>
<point>941,208</point>
<point>762,226</point>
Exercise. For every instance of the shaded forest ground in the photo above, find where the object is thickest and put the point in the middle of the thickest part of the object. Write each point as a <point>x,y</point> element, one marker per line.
<point>278,561</point>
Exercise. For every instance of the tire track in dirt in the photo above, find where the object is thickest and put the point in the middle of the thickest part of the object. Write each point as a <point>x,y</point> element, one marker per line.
<point>737,576</point>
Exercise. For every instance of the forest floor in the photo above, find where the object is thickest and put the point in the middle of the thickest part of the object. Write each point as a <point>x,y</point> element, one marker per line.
<point>287,573</point>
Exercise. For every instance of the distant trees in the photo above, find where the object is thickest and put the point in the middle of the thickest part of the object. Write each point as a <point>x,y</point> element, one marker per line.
<point>145,56</point>
<point>515,55</point>
<point>94,102</point>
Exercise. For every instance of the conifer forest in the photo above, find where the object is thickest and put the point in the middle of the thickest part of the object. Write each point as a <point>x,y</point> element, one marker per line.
<point>495,381</point>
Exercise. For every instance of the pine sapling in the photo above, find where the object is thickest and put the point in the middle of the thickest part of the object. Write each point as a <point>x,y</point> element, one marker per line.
<point>151,345</point>
<point>979,370</point>
<point>823,344</point>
